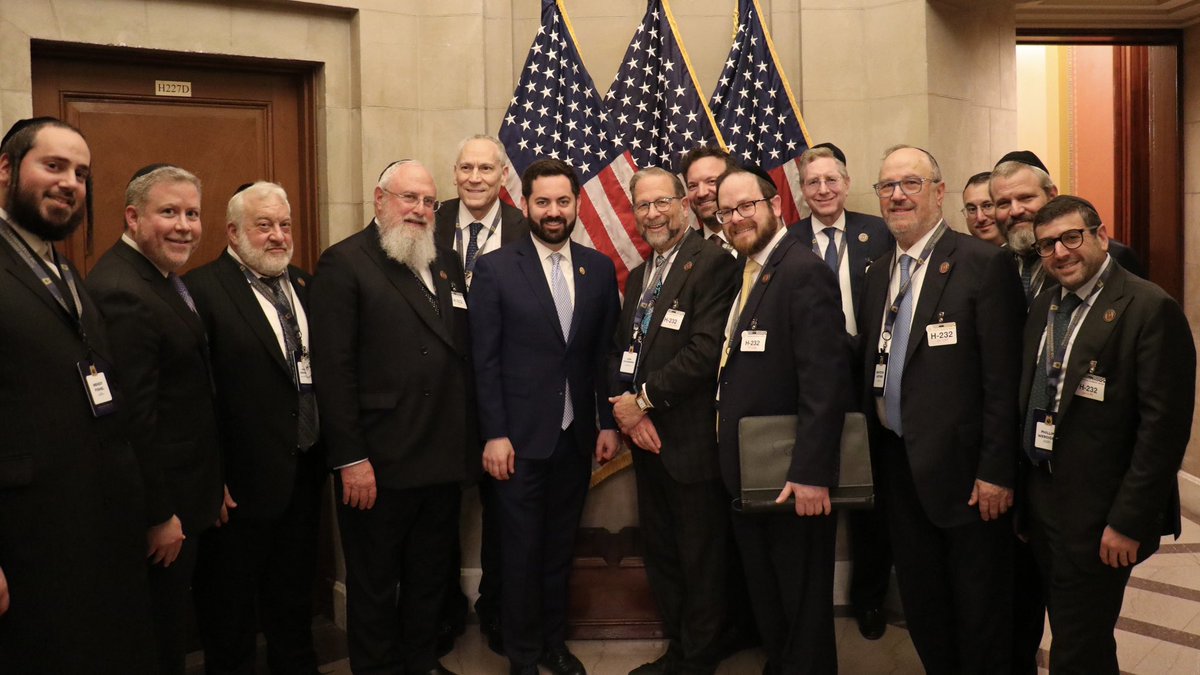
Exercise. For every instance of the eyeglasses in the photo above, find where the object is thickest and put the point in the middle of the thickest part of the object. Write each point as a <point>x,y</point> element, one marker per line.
<point>411,200</point>
<point>660,205</point>
<point>971,210</point>
<point>814,184</point>
<point>745,210</point>
<point>1072,239</point>
<point>909,186</point>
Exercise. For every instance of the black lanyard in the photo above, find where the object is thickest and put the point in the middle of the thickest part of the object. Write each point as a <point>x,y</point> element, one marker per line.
<point>458,240</point>
<point>1055,366</point>
<point>894,308</point>
<point>41,270</point>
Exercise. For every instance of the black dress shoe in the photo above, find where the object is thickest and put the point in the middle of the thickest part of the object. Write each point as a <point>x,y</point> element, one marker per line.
<point>494,632</point>
<point>560,661</point>
<point>514,669</point>
<point>871,623</point>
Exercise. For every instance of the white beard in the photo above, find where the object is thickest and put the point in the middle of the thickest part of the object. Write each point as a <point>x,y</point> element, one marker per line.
<point>1021,241</point>
<point>257,260</point>
<point>407,245</point>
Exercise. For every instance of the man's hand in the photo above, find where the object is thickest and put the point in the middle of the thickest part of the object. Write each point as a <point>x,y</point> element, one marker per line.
<point>226,504</point>
<point>993,500</point>
<point>811,500</point>
<point>626,411</point>
<point>499,458</point>
<point>3,593</point>
<point>1117,550</point>
<point>645,436</point>
<point>164,540</point>
<point>607,444</point>
<point>358,485</point>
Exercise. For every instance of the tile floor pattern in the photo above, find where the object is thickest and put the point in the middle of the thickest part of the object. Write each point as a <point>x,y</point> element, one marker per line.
<point>1158,634</point>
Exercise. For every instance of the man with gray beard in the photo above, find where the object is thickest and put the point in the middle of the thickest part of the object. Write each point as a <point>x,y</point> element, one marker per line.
<point>263,553</point>
<point>392,354</point>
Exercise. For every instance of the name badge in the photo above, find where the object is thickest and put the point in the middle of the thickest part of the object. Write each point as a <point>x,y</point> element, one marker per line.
<point>304,371</point>
<point>880,374</point>
<point>457,299</point>
<point>673,319</point>
<point>628,362</point>
<point>95,383</point>
<point>942,334</point>
<point>754,340</point>
<point>1091,386</point>
<point>1043,432</point>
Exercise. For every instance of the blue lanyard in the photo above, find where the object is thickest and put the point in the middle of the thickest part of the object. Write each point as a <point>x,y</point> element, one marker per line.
<point>894,308</point>
<point>1055,366</point>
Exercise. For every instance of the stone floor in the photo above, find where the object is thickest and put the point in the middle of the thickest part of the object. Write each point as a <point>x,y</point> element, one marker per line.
<point>1158,634</point>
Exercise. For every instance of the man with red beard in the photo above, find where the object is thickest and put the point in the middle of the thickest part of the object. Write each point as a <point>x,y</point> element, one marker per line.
<point>161,355</point>
<point>73,593</point>
<point>391,353</point>
<point>785,353</point>
<point>263,552</point>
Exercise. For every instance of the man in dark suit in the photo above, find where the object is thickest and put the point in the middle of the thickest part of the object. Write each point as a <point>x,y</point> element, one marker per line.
<point>475,223</point>
<point>941,320</point>
<point>979,211</point>
<point>542,314</point>
<point>663,374</point>
<point>700,168</point>
<point>1108,386</point>
<point>73,593</point>
<point>391,351</point>
<point>785,354</point>
<point>849,242</point>
<point>161,353</point>
<point>264,554</point>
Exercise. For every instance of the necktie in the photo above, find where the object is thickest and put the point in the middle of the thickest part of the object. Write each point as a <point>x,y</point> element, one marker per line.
<point>307,425</point>
<point>437,309</point>
<point>182,290</point>
<point>831,254</point>
<point>645,308</point>
<point>472,245</point>
<point>749,272</point>
<point>1039,397</point>
<point>898,350</point>
<point>1028,263</point>
<point>562,304</point>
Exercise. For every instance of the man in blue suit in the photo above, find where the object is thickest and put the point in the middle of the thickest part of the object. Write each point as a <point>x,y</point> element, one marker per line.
<point>542,310</point>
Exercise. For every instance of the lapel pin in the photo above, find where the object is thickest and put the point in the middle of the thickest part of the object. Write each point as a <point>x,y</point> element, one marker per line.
<point>944,268</point>
<point>442,274</point>
<point>766,278</point>
<point>582,272</point>
<point>1110,315</point>
<point>863,237</point>
<point>302,282</point>
<point>687,266</point>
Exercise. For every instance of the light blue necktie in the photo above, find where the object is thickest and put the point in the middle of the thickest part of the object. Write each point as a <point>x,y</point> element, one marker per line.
<point>562,303</point>
<point>831,256</point>
<point>896,354</point>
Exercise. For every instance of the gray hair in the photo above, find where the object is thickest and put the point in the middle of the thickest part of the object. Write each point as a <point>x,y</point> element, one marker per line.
<point>138,191</point>
<point>1010,168</point>
<point>501,155</point>
<point>386,176</point>
<point>656,171</point>
<point>813,154</point>
<point>236,210</point>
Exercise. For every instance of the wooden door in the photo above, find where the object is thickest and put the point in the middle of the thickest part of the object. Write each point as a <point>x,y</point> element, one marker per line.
<point>241,120</point>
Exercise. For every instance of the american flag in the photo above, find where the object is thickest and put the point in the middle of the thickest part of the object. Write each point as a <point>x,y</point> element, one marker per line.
<point>556,112</point>
<point>654,99</point>
<point>756,111</point>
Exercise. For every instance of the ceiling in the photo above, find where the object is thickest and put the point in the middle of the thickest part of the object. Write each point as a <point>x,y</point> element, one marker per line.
<point>1111,14</point>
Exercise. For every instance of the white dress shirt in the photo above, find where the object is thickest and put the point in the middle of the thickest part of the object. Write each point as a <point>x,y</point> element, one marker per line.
<point>564,265</point>
<point>1081,312</point>
<point>487,240</point>
<point>842,247</point>
<point>268,309</point>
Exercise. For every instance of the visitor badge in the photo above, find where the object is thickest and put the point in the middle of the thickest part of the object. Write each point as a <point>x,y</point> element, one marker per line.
<point>1043,432</point>
<point>673,319</point>
<point>457,299</point>
<point>628,362</point>
<point>1091,386</point>
<point>942,334</point>
<point>754,340</point>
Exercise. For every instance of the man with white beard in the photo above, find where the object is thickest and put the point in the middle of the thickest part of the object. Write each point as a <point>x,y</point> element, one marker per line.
<point>263,553</point>
<point>391,351</point>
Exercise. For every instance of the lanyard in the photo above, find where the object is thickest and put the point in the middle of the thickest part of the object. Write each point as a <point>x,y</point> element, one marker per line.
<point>39,267</point>
<point>894,308</point>
<point>841,250</point>
<point>644,304</point>
<point>1055,366</point>
<point>283,306</point>
<point>462,250</point>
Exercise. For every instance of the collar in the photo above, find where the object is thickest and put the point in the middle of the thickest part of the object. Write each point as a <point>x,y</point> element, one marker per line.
<point>919,246</point>
<point>1086,289</point>
<point>839,223</point>
<point>765,254</point>
<point>133,244</point>
<point>40,246</point>
<point>544,251</point>
<point>709,234</point>
<point>238,259</point>
<point>465,218</point>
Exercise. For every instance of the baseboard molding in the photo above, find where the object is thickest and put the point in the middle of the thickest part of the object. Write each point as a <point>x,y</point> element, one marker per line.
<point>1189,495</point>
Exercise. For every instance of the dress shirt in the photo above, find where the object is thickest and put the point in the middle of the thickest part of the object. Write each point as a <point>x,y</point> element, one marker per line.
<point>843,264</point>
<point>761,258</point>
<point>544,252</point>
<point>487,240</point>
<point>719,235</point>
<point>268,308</point>
<point>1082,311</point>
<point>41,247</point>
<point>917,274</point>
<point>133,244</point>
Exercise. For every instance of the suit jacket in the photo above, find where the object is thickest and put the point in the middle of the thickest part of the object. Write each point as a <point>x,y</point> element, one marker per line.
<point>513,225</point>
<point>1115,460</point>
<point>394,376</point>
<point>162,364</point>
<point>65,472</point>
<point>521,358</point>
<point>679,367</point>
<point>957,401</point>
<point>1127,258</point>
<point>803,371</point>
<point>861,252</point>
<point>257,402</point>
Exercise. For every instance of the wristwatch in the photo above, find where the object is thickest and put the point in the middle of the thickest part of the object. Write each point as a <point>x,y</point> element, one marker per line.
<point>643,403</point>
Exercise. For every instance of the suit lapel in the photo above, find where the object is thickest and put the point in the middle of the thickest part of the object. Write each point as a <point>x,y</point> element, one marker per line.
<point>1107,310</point>
<point>163,288</point>
<point>942,258</point>
<point>876,296</point>
<point>405,281</point>
<point>764,280</point>
<point>243,297</point>
<point>1034,328</point>
<point>531,267</point>
<point>17,267</point>
<point>441,282</point>
<point>680,272</point>
<point>582,283</point>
